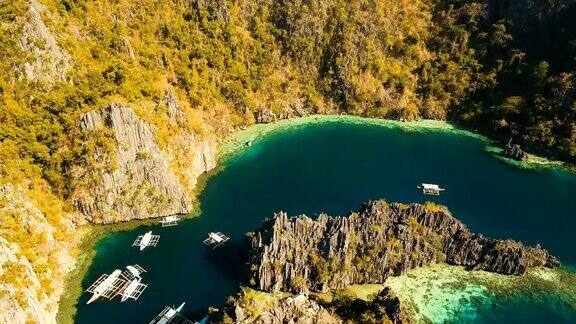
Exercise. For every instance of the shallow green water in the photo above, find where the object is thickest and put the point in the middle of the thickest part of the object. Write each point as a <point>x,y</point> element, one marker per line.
<point>333,168</point>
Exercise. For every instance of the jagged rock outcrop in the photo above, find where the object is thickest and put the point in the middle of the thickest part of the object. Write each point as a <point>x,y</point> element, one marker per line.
<point>294,309</point>
<point>142,184</point>
<point>267,309</point>
<point>266,116</point>
<point>146,181</point>
<point>292,109</point>
<point>261,307</point>
<point>173,106</point>
<point>33,259</point>
<point>49,62</point>
<point>301,254</point>
<point>515,151</point>
<point>192,156</point>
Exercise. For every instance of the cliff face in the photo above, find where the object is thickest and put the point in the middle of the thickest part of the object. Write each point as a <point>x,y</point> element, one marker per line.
<point>142,182</point>
<point>190,155</point>
<point>49,62</point>
<point>35,254</point>
<point>300,254</point>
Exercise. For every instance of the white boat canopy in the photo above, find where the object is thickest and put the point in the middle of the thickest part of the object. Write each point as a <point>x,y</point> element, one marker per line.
<point>216,239</point>
<point>171,315</point>
<point>133,289</point>
<point>169,221</point>
<point>133,271</point>
<point>146,240</point>
<point>431,189</point>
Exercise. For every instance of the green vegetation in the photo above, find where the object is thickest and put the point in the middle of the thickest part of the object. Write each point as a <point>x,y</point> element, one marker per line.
<point>525,86</point>
<point>353,305</point>
<point>434,207</point>
<point>320,266</point>
<point>365,292</point>
<point>253,302</point>
<point>504,69</point>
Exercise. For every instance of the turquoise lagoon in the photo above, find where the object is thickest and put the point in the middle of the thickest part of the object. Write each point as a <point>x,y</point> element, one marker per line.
<point>333,165</point>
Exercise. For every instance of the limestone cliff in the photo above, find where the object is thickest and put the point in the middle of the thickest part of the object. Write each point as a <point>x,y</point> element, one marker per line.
<point>381,240</point>
<point>48,61</point>
<point>294,109</point>
<point>142,183</point>
<point>35,254</point>
<point>189,154</point>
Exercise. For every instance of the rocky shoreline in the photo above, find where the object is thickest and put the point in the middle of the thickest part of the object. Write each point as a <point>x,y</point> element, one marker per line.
<point>305,257</point>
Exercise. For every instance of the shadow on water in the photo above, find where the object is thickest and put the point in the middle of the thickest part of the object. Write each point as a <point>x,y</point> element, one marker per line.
<point>232,260</point>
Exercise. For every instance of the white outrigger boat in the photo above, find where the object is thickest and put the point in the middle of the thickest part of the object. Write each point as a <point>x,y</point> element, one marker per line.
<point>170,315</point>
<point>133,290</point>
<point>169,221</point>
<point>431,189</point>
<point>125,283</point>
<point>216,239</point>
<point>146,240</point>
<point>106,286</point>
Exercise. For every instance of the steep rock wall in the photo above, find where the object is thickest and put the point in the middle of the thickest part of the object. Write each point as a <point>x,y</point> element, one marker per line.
<point>34,259</point>
<point>300,254</point>
<point>189,154</point>
<point>143,182</point>
<point>49,62</point>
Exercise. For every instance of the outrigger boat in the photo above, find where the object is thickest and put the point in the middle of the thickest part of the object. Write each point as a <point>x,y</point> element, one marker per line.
<point>216,239</point>
<point>431,189</point>
<point>126,284</point>
<point>106,286</point>
<point>169,221</point>
<point>170,315</point>
<point>146,240</point>
<point>133,290</point>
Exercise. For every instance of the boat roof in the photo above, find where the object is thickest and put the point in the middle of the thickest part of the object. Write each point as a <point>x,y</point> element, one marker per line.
<point>133,270</point>
<point>430,186</point>
<point>214,234</point>
<point>170,313</point>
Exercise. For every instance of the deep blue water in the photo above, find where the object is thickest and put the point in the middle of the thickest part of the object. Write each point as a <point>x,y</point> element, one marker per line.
<point>334,168</point>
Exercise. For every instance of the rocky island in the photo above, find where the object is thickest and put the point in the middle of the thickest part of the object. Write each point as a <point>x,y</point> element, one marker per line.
<point>306,257</point>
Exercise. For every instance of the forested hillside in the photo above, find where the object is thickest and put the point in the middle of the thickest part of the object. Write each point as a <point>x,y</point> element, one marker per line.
<point>527,52</point>
<point>505,68</point>
<point>502,66</point>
